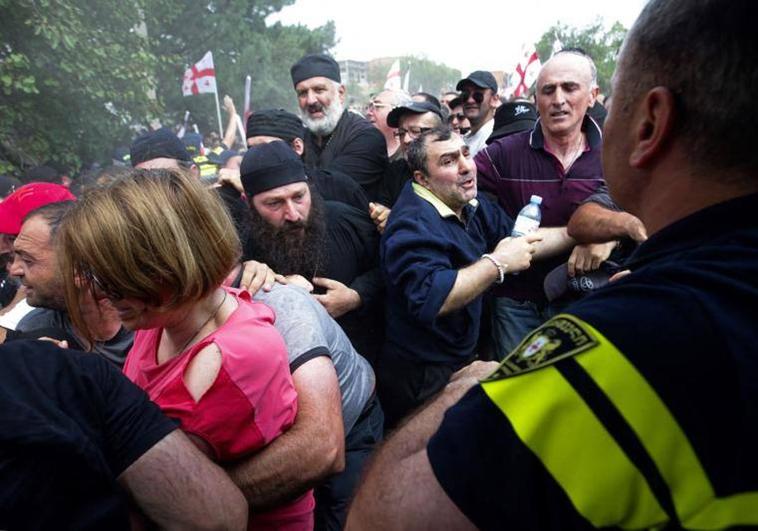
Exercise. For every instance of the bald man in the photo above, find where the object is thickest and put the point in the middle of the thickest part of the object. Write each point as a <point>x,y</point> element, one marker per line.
<point>558,160</point>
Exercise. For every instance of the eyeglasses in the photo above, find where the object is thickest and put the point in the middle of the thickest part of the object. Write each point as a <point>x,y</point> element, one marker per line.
<point>373,105</point>
<point>412,132</point>
<point>478,96</point>
<point>106,290</point>
<point>459,116</point>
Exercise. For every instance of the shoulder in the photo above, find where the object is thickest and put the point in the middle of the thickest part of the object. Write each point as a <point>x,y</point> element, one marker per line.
<point>40,318</point>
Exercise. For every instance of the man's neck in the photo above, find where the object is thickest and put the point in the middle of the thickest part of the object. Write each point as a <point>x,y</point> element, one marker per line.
<point>566,148</point>
<point>676,191</point>
<point>475,127</point>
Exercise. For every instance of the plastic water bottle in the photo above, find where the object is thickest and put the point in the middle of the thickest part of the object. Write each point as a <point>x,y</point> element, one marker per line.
<point>528,220</point>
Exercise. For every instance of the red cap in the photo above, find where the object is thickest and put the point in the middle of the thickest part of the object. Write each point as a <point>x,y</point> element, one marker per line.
<point>30,197</point>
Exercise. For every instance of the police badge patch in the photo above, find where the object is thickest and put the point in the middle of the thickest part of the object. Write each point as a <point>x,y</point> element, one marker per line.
<point>559,338</point>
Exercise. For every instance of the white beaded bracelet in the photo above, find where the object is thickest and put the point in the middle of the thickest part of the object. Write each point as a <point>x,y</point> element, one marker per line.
<point>501,268</point>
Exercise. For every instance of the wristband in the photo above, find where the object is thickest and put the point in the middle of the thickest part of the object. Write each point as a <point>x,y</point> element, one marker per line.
<point>501,268</point>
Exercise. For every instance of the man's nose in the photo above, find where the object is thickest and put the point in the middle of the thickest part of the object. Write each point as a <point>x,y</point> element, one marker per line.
<point>311,98</point>
<point>290,212</point>
<point>16,269</point>
<point>465,165</point>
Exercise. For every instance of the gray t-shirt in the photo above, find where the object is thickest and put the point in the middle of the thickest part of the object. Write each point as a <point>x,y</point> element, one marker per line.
<point>114,350</point>
<point>309,332</point>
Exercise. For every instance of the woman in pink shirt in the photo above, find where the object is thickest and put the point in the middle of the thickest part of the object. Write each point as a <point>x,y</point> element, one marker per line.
<point>157,245</point>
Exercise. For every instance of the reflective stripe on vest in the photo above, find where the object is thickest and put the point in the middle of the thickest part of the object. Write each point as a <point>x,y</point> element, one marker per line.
<point>603,483</point>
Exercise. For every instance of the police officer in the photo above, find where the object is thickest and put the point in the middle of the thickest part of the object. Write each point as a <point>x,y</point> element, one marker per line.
<point>638,407</point>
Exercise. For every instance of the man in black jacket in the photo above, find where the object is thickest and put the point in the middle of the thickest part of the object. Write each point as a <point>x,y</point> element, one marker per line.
<point>335,139</point>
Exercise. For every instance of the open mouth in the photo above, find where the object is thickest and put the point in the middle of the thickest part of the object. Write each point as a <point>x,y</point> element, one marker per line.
<point>559,114</point>
<point>467,184</point>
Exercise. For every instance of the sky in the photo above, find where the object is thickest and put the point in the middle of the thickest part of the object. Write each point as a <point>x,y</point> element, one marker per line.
<point>478,35</point>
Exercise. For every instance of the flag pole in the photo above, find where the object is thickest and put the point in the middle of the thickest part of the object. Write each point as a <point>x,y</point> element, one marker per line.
<point>218,114</point>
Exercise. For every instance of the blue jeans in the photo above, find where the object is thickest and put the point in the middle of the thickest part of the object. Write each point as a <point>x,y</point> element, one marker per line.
<point>512,320</point>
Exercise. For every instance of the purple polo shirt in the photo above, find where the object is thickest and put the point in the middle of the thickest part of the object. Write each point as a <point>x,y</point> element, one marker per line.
<point>516,167</point>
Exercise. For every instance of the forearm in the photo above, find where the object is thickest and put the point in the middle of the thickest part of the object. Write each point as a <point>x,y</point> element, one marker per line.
<point>470,282</point>
<point>555,241</point>
<point>231,130</point>
<point>592,223</point>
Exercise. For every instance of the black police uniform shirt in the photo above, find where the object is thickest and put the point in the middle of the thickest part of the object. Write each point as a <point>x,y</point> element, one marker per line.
<point>70,424</point>
<point>636,408</point>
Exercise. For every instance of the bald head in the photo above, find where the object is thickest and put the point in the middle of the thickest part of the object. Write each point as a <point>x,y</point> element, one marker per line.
<point>565,90</point>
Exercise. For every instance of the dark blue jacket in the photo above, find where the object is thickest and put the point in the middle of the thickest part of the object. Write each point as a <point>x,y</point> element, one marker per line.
<point>421,253</point>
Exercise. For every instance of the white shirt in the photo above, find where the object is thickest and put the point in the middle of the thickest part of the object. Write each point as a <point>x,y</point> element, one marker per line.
<point>477,141</point>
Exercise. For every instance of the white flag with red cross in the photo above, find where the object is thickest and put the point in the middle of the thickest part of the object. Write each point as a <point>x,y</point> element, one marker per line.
<point>393,77</point>
<point>527,70</point>
<point>200,78</point>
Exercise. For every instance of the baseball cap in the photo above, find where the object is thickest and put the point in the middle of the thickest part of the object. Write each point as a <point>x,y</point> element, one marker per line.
<point>513,117</point>
<point>222,158</point>
<point>416,107</point>
<point>480,78</point>
<point>29,197</point>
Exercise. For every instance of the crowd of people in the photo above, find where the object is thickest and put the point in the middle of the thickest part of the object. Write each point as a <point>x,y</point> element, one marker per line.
<point>211,334</point>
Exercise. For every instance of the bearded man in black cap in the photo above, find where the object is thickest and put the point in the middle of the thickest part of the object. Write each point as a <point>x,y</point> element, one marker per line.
<point>335,139</point>
<point>330,244</point>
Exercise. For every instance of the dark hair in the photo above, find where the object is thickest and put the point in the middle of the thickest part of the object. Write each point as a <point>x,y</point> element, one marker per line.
<point>416,153</point>
<point>705,52</point>
<point>53,214</point>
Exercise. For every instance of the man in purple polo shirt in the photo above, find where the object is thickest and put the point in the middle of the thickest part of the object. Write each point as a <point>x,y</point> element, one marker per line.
<point>558,160</point>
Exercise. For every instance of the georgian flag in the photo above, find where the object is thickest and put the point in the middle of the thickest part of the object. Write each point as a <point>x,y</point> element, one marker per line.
<point>200,78</point>
<point>527,70</point>
<point>393,77</point>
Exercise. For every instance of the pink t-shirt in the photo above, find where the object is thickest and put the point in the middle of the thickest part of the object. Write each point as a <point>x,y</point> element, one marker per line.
<point>251,402</point>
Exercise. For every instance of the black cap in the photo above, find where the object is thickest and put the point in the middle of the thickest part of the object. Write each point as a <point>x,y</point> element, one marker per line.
<point>415,107</point>
<point>558,284</point>
<point>513,117</point>
<point>269,166</point>
<point>193,142</point>
<point>121,156</point>
<point>161,143</point>
<point>480,78</point>
<point>8,185</point>
<point>315,65</point>
<point>275,122</point>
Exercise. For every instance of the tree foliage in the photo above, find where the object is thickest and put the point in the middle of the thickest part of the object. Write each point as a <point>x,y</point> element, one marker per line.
<point>78,77</point>
<point>601,44</point>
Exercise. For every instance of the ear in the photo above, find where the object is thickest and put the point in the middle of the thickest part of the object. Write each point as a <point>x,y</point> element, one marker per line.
<point>298,146</point>
<point>195,171</point>
<point>421,179</point>
<point>594,91</point>
<point>341,92</point>
<point>653,127</point>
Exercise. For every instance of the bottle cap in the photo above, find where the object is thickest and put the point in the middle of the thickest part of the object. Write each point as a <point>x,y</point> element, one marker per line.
<point>535,199</point>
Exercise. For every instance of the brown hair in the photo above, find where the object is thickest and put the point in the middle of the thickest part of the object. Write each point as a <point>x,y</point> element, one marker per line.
<point>154,235</point>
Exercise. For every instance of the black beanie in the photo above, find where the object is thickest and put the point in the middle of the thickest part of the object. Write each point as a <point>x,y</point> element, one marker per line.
<point>315,65</point>
<point>158,144</point>
<point>275,122</point>
<point>269,166</point>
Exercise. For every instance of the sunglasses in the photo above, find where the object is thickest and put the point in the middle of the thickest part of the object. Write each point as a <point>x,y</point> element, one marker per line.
<point>478,96</point>
<point>106,290</point>
<point>459,116</point>
<point>372,106</point>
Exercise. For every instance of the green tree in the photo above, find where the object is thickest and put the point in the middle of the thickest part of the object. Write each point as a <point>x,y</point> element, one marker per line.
<point>78,77</point>
<point>66,84</point>
<point>601,44</point>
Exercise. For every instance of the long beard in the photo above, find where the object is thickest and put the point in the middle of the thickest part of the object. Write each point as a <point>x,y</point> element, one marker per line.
<point>295,248</point>
<point>323,126</point>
